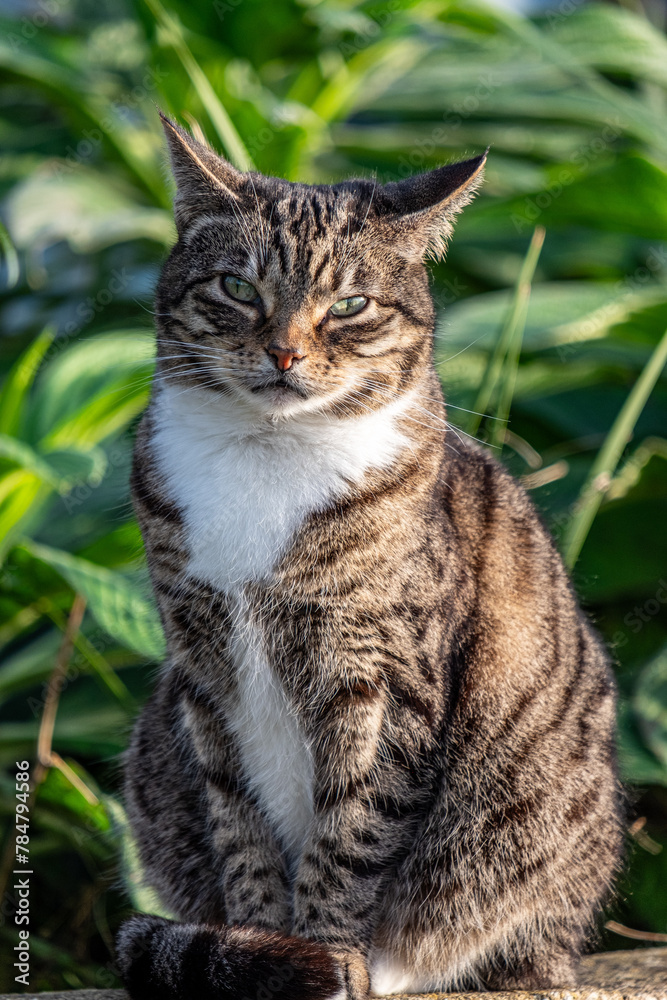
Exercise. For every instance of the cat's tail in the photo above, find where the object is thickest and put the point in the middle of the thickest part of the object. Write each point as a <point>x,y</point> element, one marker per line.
<point>162,960</point>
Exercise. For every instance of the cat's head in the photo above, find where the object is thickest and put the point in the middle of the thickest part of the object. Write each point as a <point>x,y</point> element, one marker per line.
<point>292,297</point>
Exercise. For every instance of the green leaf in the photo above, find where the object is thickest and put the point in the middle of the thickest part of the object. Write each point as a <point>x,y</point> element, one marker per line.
<point>504,361</point>
<point>100,418</point>
<point>27,458</point>
<point>638,765</point>
<point>229,137</point>
<point>614,40</point>
<point>144,898</point>
<point>560,314</point>
<point>19,381</point>
<point>87,209</point>
<point>52,78</point>
<point>58,791</point>
<point>119,606</point>
<point>96,733</point>
<point>11,258</point>
<point>91,389</point>
<point>22,498</point>
<point>29,665</point>
<point>88,466</point>
<point>650,706</point>
<point>604,466</point>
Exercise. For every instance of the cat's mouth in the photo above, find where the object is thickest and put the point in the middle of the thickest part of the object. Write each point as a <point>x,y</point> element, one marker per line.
<point>281,386</point>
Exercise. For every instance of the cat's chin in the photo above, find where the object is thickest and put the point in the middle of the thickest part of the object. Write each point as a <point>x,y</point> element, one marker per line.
<point>280,400</point>
<point>279,403</point>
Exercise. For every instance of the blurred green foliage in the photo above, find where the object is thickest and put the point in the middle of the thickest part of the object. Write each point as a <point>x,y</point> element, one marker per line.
<point>574,105</point>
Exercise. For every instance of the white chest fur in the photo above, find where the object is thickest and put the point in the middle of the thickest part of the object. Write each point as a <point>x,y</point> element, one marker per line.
<point>244,486</point>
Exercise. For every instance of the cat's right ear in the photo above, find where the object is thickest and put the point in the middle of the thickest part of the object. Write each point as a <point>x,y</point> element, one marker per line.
<point>201,175</point>
<point>425,206</point>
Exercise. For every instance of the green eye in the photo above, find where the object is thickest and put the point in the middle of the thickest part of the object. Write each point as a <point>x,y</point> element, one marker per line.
<point>239,289</point>
<point>348,307</point>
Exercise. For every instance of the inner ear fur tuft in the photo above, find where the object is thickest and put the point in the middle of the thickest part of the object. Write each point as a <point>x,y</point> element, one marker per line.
<point>424,207</point>
<point>200,173</point>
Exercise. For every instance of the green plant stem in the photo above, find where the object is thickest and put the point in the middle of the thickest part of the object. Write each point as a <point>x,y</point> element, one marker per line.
<point>11,258</point>
<point>100,666</point>
<point>604,466</point>
<point>508,346</point>
<point>229,137</point>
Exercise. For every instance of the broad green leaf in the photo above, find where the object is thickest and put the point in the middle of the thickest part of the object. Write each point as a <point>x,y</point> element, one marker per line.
<point>122,545</point>
<point>86,209</point>
<point>614,40</point>
<point>559,314</point>
<point>89,466</point>
<point>638,765</point>
<point>625,194</point>
<point>106,377</point>
<point>22,496</point>
<point>607,459</point>
<point>58,791</point>
<point>19,381</point>
<point>119,605</point>
<point>12,267</point>
<point>144,898</point>
<point>96,733</point>
<point>27,458</point>
<point>100,418</point>
<point>650,706</point>
<point>30,665</point>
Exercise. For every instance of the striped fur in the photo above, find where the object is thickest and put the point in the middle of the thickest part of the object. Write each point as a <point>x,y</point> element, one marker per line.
<point>384,726</point>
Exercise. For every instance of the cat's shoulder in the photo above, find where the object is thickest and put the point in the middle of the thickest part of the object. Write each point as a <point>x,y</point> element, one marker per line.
<point>476,470</point>
<point>478,492</point>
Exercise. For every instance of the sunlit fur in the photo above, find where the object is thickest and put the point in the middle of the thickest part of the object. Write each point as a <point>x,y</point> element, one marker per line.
<point>383,725</point>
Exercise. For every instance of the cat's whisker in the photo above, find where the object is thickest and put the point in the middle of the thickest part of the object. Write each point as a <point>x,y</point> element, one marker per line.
<point>394,394</point>
<point>405,415</point>
<point>262,236</point>
<point>485,444</point>
<point>439,364</point>
<point>455,406</point>
<point>449,423</point>
<point>146,308</point>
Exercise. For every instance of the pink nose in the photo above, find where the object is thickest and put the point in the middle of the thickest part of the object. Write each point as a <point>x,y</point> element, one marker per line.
<point>284,356</point>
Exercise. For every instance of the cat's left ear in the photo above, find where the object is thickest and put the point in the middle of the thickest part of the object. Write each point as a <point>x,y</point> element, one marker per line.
<point>202,177</point>
<point>422,208</point>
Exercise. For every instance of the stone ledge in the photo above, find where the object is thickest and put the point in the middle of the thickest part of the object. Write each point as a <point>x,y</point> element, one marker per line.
<point>614,975</point>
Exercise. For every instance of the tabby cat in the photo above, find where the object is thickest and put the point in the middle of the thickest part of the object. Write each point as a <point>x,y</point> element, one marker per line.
<point>380,755</point>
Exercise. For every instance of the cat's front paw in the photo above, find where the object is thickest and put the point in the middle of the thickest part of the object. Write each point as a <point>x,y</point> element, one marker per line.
<point>356,981</point>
